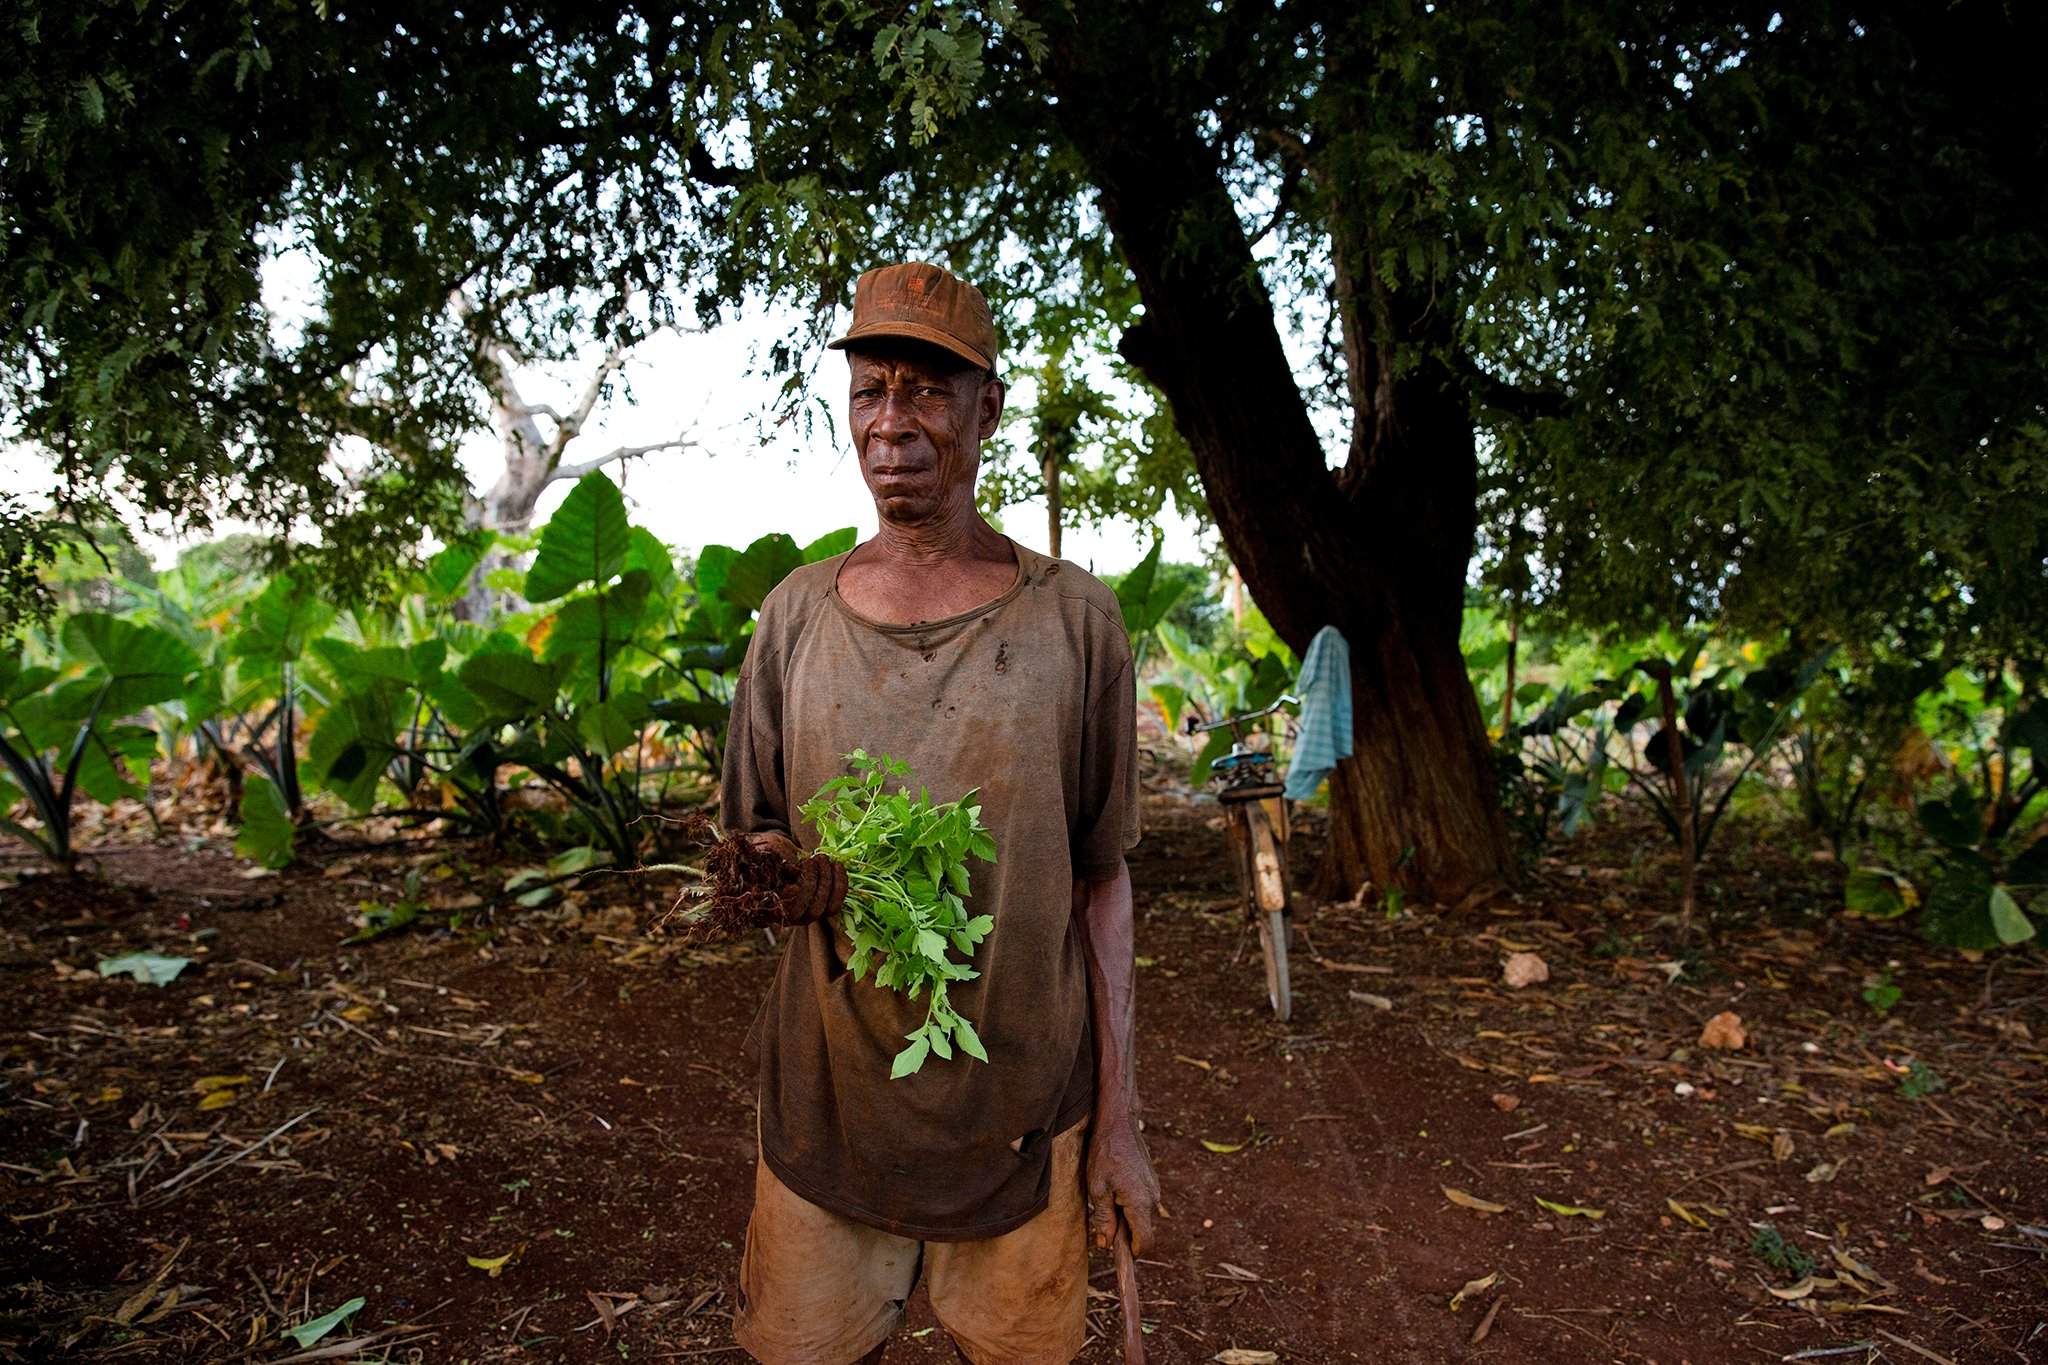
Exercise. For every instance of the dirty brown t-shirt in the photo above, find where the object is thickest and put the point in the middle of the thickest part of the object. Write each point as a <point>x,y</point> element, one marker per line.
<point>1029,698</point>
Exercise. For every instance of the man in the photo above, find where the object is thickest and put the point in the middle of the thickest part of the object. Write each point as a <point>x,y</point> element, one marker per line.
<point>983,665</point>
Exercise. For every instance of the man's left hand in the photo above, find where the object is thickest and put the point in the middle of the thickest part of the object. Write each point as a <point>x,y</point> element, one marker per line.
<point>1120,1177</point>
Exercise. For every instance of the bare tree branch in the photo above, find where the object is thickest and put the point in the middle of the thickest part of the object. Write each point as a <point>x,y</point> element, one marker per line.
<point>577,471</point>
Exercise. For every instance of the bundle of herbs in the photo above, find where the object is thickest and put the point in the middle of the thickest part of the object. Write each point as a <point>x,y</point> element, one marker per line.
<point>906,884</point>
<point>906,879</point>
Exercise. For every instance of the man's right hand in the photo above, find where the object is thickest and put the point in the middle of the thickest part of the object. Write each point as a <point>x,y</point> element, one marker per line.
<point>820,888</point>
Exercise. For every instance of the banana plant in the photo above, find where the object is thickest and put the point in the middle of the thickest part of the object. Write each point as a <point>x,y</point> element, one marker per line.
<point>68,727</point>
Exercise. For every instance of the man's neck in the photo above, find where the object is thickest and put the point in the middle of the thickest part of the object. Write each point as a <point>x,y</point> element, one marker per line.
<point>957,533</point>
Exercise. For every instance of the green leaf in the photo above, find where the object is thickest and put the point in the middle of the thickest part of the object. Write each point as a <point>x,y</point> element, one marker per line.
<point>307,1333</point>
<point>2007,919</point>
<point>448,572</point>
<point>584,542</point>
<point>614,724</point>
<point>352,744</point>
<point>142,664</point>
<point>512,686</point>
<point>646,554</point>
<point>749,577</point>
<point>911,1059</point>
<point>1879,893</point>
<point>281,622</point>
<point>155,969</point>
<point>968,1039</point>
<point>267,830</point>
<point>831,543</point>
<point>1958,909</point>
<point>590,631</point>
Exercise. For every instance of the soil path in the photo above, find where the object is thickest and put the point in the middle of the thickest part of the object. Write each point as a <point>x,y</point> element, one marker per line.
<point>565,1093</point>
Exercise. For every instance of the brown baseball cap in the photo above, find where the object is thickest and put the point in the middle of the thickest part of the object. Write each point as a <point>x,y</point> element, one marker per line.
<point>923,303</point>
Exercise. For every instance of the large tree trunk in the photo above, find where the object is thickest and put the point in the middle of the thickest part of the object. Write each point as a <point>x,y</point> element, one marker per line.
<point>1378,549</point>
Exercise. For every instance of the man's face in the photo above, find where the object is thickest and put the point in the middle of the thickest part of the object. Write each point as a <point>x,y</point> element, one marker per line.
<point>918,419</point>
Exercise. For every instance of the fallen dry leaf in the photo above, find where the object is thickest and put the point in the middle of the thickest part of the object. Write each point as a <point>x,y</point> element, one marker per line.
<point>1472,1201</point>
<point>1685,1213</point>
<point>1524,969</point>
<point>1479,1286</point>
<point>1825,1172</point>
<point>206,1085</point>
<point>1781,1146</point>
<point>1571,1210</point>
<point>1223,1148</point>
<point>1939,1175</point>
<point>1506,1103</point>
<point>1237,1355</point>
<point>1724,1031</point>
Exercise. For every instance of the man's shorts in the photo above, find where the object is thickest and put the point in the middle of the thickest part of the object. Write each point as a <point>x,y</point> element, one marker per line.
<point>820,1289</point>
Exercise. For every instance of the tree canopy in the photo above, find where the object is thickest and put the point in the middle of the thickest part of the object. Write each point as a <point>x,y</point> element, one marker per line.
<point>1667,311</point>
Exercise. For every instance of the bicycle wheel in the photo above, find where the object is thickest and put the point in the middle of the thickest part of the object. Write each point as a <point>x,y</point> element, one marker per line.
<point>1270,902</point>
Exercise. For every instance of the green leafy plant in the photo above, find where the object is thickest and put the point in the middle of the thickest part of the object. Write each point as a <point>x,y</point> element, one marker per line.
<point>1920,1080</point>
<point>1881,993</point>
<point>66,726</point>
<point>1145,596</point>
<point>1781,1255</point>
<point>906,878</point>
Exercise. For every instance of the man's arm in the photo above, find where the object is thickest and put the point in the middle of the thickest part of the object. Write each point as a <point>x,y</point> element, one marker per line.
<point>1119,1168</point>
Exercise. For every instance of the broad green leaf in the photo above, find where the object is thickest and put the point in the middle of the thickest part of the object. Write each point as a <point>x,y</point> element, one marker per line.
<point>614,724</point>
<point>584,542</point>
<point>590,631</point>
<point>1958,909</point>
<point>307,1333</point>
<point>1172,700</point>
<point>831,543</point>
<point>267,830</point>
<point>1879,893</point>
<point>646,554</point>
<point>753,574</point>
<point>143,665</point>
<point>112,754</point>
<point>352,744</point>
<point>281,622</point>
<point>155,969</point>
<point>2010,922</point>
<point>513,686</point>
<point>448,572</point>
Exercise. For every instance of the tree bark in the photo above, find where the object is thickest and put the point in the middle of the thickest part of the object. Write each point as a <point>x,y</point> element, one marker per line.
<point>1378,550</point>
<point>1050,470</point>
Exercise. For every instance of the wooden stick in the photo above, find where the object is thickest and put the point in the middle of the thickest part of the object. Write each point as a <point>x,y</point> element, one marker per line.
<point>1127,1290</point>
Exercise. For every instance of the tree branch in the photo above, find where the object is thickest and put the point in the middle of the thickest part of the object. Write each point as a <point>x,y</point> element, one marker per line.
<point>577,471</point>
<point>1491,391</point>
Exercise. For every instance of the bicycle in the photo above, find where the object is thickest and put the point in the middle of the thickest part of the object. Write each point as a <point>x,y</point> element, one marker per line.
<point>1256,810</point>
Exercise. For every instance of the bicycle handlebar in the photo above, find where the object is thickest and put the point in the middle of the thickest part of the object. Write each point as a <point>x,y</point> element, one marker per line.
<point>1284,699</point>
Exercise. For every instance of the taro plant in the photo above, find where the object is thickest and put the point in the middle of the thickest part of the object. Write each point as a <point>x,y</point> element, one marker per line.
<point>273,632</point>
<point>1703,748</point>
<point>68,727</point>
<point>1989,869</point>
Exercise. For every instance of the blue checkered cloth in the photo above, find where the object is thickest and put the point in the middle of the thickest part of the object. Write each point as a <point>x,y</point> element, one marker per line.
<point>1324,733</point>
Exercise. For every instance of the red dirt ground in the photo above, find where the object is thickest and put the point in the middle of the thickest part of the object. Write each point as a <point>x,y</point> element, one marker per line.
<point>565,1090</point>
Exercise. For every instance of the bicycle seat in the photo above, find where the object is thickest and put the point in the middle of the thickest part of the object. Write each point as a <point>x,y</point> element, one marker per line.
<point>1261,792</point>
